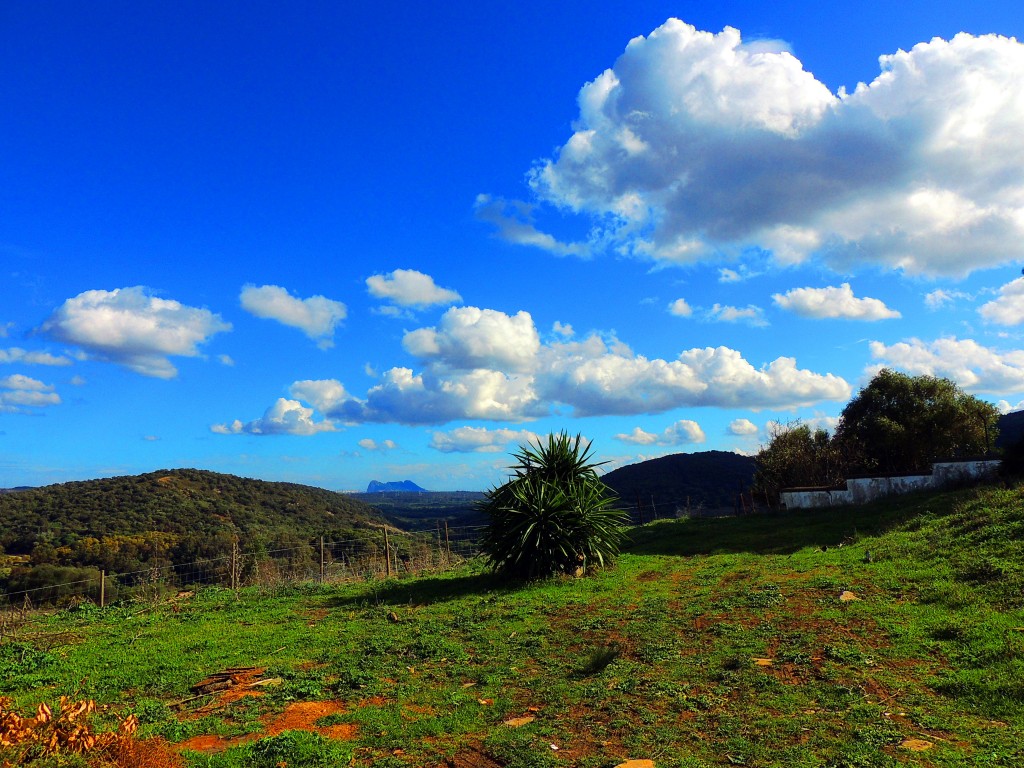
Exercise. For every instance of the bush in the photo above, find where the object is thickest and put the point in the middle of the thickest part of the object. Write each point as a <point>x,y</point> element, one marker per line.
<point>554,515</point>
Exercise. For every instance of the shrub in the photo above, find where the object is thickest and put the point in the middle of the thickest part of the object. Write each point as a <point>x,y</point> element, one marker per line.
<point>554,515</point>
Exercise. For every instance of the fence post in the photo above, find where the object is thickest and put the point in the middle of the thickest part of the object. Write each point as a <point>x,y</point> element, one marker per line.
<point>387,553</point>
<point>103,588</point>
<point>234,565</point>
<point>322,579</point>
<point>447,546</point>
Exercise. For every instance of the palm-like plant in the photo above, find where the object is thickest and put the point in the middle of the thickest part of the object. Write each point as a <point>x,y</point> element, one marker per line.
<point>554,515</point>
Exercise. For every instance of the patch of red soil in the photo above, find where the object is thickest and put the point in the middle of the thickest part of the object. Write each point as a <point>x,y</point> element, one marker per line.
<point>302,716</point>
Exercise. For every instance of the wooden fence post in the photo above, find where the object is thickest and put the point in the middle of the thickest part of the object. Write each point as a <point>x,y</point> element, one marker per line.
<point>387,553</point>
<point>322,560</point>
<point>447,546</point>
<point>103,588</point>
<point>234,565</point>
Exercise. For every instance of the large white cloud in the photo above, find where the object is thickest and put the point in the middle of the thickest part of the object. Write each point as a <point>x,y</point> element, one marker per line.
<point>317,316</point>
<point>480,439</point>
<point>487,365</point>
<point>133,328</point>
<point>1008,309</point>
<point>409,288</point>
<point>284,417</point>
<point>468,337</point>
<point>695,144</point>
<point>27,357</point>
<point>833,302</point>
<point>971,365</point>
<point>18,392</point>
<point>680,433</point>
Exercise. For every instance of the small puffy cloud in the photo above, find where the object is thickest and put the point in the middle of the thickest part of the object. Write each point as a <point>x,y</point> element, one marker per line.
<point>132,328</point>
<point>323,394</point>
<point>480,439</point>
<point>725,314</point>
<point>1008,309</point>
<point>151,438</point>
<point>514,222</point>
<point>694,145</point>
<point>409,288</point>
<point>680,308</point>
<point>78,381</point>
<point>5,329</point>
<point>225,360</point>
<point>563,329</point>
<point>369,444</point>
<point>285,417</point>
<point>833,302</point>
<point>969,364</point>
<point>317,316</point>
<point>18,392</point>
<point>1005,406</point>
<point>19,355</point>
<point>468,338</point>
<point>681,433</point>
<point>743,428</point>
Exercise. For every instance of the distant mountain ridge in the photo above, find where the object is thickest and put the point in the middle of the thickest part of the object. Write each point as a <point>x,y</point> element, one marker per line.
<point>406,486</point>
<point>707,480</point>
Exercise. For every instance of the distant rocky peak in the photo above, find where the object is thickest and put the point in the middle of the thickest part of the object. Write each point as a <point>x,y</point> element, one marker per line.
<point>376,486</point>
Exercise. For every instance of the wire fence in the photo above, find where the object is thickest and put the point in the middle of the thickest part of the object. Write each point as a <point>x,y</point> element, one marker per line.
<point>385,553</point>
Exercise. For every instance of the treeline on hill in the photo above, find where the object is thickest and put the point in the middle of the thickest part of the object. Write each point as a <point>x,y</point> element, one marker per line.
<point>168,518</point>
<point>694,482</point>
<point>897,424</point>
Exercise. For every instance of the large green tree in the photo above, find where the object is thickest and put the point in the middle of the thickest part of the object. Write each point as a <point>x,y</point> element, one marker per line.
<point>797,456</point>
<point>554,515</point>
<point>900,423</point>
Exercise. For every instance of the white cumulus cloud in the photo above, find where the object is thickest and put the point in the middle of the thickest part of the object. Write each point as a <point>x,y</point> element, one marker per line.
<point>409,288</point>
<point>680,308</point>
<point>487,365</point>
<point>1008,309</point>
<point>974,367</point>
<point>18,392</point>
<point>833,302</point>
<point>681,433</point>
<point>130,327</point>
<point>317,316</point>
<point>743,427</point>
<point>468,337</point>
<point>480,439</point>
<point>694,145</point>
<point>284,417</point>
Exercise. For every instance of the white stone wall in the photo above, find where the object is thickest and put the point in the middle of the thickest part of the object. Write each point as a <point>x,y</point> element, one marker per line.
<point>861,490</point>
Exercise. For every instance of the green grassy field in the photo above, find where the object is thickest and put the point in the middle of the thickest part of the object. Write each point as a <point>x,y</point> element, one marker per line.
<point>709,643</point>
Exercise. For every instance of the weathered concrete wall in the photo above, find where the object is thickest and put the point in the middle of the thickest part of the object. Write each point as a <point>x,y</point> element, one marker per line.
<point>861,490</point>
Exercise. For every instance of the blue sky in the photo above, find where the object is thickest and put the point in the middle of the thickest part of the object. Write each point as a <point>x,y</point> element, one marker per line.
<point>330,244</point>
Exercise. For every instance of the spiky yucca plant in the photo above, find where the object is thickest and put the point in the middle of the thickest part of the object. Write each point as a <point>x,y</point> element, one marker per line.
<point>554,515</point>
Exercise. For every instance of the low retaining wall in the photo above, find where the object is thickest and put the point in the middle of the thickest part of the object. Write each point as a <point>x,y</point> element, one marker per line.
<point>861,490</point>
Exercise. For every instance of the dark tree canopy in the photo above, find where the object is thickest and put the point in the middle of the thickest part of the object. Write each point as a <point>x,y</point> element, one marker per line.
<point>896,424</point>
<point>901,423</point>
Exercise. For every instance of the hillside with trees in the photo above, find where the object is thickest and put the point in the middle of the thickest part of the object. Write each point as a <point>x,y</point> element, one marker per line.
<point>706,481</point>
<point>170,517</point>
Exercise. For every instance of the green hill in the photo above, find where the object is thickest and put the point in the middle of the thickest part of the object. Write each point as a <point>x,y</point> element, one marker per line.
<point>181,503</point>
<point>708,480</point>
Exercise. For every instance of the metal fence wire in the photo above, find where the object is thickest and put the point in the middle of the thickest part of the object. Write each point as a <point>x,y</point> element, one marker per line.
<point>389,553</point>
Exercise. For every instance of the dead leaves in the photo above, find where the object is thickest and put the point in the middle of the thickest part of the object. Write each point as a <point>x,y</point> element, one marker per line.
<point>68,732</point>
